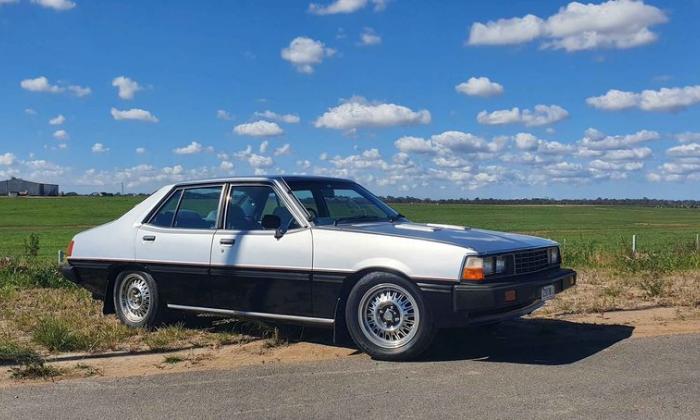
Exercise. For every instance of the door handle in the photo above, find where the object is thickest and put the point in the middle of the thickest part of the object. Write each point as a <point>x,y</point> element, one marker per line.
<point>227,241</point>
<point>149,238</point>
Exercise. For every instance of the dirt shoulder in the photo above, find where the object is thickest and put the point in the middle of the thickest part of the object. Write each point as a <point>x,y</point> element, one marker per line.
<point>540,329</point>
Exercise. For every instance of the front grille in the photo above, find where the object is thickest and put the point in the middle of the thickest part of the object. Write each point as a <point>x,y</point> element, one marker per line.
<point>530,261</point>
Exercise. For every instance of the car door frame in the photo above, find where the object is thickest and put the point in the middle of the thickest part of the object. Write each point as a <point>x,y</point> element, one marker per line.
<point>247,279</point>
<point>180,282</point>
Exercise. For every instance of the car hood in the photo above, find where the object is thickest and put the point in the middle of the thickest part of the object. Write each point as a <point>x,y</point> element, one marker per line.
<point>481,241</point>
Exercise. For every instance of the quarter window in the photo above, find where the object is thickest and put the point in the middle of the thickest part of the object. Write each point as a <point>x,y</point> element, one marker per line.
<point>164,217</point>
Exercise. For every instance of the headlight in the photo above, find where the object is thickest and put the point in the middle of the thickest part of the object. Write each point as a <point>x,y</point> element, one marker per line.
<point>553,255</point>
<point>476,268</point>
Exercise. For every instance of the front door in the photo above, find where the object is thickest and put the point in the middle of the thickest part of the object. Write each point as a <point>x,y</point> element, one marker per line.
<point>253,271</point>
<point>175,244</point>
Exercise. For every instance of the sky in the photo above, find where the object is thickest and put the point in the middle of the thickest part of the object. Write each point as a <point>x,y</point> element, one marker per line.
<point>503,99</point>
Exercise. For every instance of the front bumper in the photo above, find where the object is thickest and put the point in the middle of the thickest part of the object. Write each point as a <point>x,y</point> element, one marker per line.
<point>468,304</point>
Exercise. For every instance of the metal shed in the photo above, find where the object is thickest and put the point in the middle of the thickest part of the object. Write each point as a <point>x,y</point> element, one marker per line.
<point>16,186</point>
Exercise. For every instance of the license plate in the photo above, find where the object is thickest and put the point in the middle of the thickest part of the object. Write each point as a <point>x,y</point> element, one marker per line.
<point>548,292</point>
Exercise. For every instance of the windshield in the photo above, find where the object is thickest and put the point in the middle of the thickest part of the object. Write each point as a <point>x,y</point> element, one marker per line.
<point>336,202</point>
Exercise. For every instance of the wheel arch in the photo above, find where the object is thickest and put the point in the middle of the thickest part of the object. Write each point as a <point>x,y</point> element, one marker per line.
<point>350,282</point>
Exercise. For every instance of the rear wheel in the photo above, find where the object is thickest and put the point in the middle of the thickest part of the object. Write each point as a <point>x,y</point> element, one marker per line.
<point>387,318</point>
<point>136,300</point>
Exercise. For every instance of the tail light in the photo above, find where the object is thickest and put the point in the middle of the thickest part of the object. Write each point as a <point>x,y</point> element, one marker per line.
<point>69,250</point>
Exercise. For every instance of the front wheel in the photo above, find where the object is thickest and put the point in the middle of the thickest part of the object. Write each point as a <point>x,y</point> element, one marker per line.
<point>136,300</point>
<point>387,317</point>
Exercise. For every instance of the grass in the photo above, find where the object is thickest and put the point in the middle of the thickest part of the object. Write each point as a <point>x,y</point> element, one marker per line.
<point>41,313</point>
<point>591,236</point>
<point>12,353</point>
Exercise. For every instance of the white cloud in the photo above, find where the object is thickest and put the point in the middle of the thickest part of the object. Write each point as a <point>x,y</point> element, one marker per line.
<point>61,135</point>
<point>2,2</point>
<point>57,120</point>
<point>595,140</point>
<point>479,86</point>
<point>223,115</point>
<point>263,146</point>
<point>286,118</point>
<point>615,166</point>
<point>458,141</point>
<point>127,87</point>
<point>410,144</point>
<point>506,31</point>
<point>259,128</point>
<point>688,137</point>
<point>684,151</point>
<point>526,141</point>
<point>7,159</point>
<point>259,161</point>
<point>613,24</point>
<point>99,148</point>
<point>226,166</point>
<point>304,53</point>
<point>190,149</point>
<point>40,84</point>
<point>368,37</point>
<point>662,100</point>
<point>79,91</point>
<point>541,115</point>
<point>283,150</point>
<point>140,150</point>
<point>59,5</point>
<point>345,6</point>
<point>30,111</point>
<point>358,113</point>
<point>640,153</point>
<point>133,114</point>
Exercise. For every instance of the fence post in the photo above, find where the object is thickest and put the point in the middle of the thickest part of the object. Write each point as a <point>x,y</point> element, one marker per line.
<point>60,256</point>
<point>634,244</point>
<point>697,242</point>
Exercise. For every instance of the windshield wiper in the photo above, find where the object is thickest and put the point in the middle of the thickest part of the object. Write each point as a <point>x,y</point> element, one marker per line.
<point>355,219</point>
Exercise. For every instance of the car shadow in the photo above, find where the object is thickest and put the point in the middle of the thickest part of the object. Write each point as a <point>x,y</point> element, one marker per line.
<point>527,341</point>
<point>533,341</point>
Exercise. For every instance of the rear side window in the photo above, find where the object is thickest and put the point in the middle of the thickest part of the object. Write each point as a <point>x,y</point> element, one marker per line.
<point>192,208</point>
<point>199,208</point>
<point>166,214</point>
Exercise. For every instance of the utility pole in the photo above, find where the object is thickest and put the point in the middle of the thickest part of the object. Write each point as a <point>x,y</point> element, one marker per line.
<point>122,187</point>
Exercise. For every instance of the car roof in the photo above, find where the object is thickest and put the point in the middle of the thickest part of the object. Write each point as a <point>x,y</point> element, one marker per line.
<point>266,178</point>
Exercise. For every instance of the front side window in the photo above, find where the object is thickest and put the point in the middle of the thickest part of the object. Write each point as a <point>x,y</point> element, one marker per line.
<point>191,208</point>
<point>249,204</point>
<point>338,202</point>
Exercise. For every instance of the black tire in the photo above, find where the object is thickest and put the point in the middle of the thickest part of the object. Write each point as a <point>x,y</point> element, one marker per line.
<point>367,334</point>
<point>149,316</point>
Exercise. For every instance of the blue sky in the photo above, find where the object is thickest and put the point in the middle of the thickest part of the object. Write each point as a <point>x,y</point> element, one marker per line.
<point>408,97</point>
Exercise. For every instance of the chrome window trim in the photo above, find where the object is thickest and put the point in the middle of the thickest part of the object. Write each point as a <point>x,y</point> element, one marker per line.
<point>147,220</point>
<point>282,317</point>
<point>280,194</point>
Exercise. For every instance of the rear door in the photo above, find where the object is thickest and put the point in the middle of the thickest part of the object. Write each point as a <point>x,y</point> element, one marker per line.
<point>175,244</point>
<point>253,271</point>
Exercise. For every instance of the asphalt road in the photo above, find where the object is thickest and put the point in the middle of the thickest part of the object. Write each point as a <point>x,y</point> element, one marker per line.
<point>601,375</point>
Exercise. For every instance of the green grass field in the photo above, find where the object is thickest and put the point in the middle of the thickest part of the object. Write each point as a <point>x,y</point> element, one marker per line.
<point>580,229</point>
